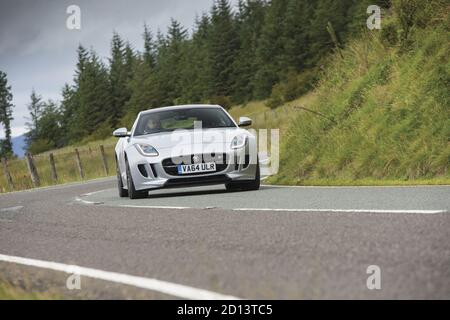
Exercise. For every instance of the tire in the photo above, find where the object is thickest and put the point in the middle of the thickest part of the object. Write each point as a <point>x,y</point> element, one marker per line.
<point>246,186</point>
<point>122,191</point>
<point>132,192</point>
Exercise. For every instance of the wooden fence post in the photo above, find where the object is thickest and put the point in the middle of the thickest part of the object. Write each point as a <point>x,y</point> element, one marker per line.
<point>105,163</point>
<point>53,168</point>
<point>7,174</point>
<point>32,170</point>
<point>80,167</point>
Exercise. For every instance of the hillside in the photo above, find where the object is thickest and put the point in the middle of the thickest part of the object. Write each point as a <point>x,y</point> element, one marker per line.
<point>387,108</point>
<point>379,113</point>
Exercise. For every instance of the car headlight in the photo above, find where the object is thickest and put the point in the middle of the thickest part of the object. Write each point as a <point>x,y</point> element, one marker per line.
<point>146,150</point>
<point>239,142</point>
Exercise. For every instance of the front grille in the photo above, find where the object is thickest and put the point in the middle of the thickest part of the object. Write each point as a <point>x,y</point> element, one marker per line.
<point>170,165</point>
<point>193,181</point>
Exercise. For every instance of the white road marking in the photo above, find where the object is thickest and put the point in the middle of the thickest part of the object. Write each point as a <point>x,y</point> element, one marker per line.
<point>154,207</point>
<point>169,288</point>
<point>87,202</point>
<point>350,186</point>
<point>61,186</point>
<point>11,209</point>
<point>95,192</point>
<point>345,210</point>
<point>283,210</point>
<point>418,211</point>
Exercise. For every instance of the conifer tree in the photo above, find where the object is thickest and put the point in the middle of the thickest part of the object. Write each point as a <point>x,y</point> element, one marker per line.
<point>197,73</point>
<point>118,77</point>
<point>35,109</point>
<point>249,23</point>
<point>270,49</point>
<point>93,95</point>
<point>223,46</point>
<point>5,115</point>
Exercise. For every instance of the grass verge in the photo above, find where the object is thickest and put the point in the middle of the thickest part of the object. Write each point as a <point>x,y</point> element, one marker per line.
<point>10,292</point>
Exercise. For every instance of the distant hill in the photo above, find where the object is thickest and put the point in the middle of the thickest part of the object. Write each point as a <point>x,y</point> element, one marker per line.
<point>19,145</point>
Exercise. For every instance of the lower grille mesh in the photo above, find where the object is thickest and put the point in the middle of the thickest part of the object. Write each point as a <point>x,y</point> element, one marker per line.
<point>171,168</point>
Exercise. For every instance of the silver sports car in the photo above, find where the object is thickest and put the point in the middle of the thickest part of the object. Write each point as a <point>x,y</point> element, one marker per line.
<point>188,145</point>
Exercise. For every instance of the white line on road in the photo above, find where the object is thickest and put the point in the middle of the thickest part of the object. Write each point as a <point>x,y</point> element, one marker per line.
<point>290,210</point>
<point>86,201</point>
<point>153,207</point>
<point>345,210</point>
<point>11,209</point>
<point>169,288</point>
<point>417,211</point>
<point>61,186</point>
<point>353,186</point>
<point>95,192</point>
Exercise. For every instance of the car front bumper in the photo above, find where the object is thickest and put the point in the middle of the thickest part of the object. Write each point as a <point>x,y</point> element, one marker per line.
<point>149,173</point>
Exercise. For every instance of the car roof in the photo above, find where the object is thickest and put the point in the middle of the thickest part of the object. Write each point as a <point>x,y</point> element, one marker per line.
<point>180,107</point>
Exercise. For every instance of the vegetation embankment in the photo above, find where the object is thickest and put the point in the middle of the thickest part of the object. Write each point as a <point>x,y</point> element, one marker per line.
<point>374,112</point>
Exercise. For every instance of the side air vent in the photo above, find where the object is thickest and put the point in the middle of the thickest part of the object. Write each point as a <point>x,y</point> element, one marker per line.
<point>143,170</point>
<point>152,166</point>
<point>247,161</point>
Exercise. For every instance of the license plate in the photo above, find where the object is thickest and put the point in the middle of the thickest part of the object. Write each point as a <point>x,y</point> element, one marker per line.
<point>196,168</point>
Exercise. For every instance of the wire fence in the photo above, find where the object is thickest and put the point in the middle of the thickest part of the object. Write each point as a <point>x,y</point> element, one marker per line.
<point>47,169</point>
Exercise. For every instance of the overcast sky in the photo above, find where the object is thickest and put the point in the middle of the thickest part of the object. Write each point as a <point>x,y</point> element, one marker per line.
<point>38,51</point>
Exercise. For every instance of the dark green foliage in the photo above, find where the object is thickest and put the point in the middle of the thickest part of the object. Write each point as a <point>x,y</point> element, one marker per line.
<point>335,13</point>
<point>270,49</point>
<point>257,50</point>
<point>149,47</point>
<point>389,109</point>
<point>223,48</point>
<point>171,60</point>
<point>5,115</point>
<point>48,132</point>
<point>35,108</point>
<point>93,95</point>
<point>197,84</point>
<point>389,33</point>
<point>292,87</point>
<point>120,73</point>
<point>249,23</point>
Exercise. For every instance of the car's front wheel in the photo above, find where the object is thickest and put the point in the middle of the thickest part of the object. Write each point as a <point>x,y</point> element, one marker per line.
<point>132,192</point>
<point>246,186</point>
<point>122,191</point>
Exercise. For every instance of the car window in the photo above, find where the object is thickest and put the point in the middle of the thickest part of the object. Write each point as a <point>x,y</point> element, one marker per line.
<point>170,120</point>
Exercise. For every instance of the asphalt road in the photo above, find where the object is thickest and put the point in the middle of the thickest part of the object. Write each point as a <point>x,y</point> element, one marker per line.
<point>284,243</point>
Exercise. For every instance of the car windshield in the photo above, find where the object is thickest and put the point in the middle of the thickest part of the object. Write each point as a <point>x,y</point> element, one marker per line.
<point>170,120</point>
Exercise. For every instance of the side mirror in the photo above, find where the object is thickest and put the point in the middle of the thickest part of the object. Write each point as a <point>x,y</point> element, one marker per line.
<point>121,133</point>
<point>245,122</point>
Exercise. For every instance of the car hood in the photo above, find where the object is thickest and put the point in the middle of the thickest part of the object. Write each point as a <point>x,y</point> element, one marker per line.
<point>165,140</point>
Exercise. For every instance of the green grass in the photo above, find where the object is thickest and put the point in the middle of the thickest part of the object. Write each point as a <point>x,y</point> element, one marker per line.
<point>10,292</point>
<point>265,118</point>
<point>387,117</point>
<point>391,113</point>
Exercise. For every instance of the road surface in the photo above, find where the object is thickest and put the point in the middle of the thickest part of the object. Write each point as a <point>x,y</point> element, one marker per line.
<point>275,243</point>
